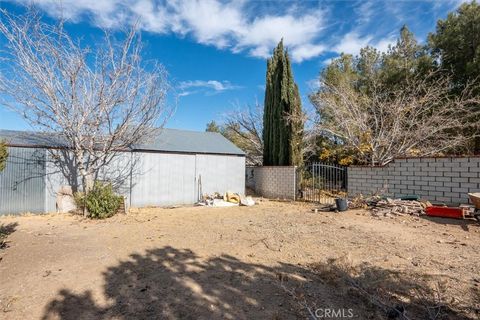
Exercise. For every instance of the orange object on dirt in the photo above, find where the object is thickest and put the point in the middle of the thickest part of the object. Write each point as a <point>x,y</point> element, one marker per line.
<point>445,212</point>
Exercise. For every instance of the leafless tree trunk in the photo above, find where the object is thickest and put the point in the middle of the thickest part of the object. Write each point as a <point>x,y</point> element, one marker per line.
<point>97,101</point>
<point>422,119</point>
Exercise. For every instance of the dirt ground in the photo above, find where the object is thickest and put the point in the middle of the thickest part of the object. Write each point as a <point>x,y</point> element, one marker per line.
<point>275,260</point>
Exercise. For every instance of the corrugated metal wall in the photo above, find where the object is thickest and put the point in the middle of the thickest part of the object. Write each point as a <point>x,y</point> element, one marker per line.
<point>22,183</point>
<point>30,183</point>
<point>161,179</point>
<point>220,173</point>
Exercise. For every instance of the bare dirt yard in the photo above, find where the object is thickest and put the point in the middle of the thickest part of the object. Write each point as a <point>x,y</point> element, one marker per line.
<point>272,261</point>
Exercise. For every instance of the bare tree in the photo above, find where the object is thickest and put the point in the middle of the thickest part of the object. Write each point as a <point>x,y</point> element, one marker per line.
<point>421,119</point>
<point>97,100</point>
<point>244,128</point>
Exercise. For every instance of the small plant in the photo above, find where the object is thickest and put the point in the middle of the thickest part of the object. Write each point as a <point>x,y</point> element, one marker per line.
<point>101,202</point>
<point>3,154</point>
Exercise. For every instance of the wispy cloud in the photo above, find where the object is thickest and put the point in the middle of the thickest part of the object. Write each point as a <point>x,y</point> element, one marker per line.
<point>309,29</point>
<point>313,84</point>
<point>207,87</point>
<point>224,24</point>
<point>352,42</point>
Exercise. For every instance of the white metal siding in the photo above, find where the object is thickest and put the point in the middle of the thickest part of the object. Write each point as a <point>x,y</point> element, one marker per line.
<point>31,180</point>
<point>163,179</point>
<point>220,173</point>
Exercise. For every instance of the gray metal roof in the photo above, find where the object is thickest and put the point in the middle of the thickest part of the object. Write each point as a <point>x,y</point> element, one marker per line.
<point>175,140</point>
<point>166,140</point>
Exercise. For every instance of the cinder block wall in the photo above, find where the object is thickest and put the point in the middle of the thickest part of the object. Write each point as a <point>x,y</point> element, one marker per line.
<point>274,182</point>
<point>446,180</point>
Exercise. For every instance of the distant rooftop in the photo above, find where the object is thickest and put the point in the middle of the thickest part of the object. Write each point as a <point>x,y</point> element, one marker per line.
<point>167,140</point>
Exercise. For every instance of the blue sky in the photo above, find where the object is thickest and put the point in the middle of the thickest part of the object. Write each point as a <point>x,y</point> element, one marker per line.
<point>215,51</point>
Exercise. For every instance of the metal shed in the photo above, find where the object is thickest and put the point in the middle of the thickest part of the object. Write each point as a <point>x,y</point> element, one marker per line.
<point>175,167</point>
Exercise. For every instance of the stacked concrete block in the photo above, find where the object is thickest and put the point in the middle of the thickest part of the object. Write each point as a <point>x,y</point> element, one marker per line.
<point>446,180</point>
<point>275,182</point>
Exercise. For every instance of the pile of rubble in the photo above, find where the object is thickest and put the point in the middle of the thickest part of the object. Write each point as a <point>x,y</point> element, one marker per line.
<point>229,199</point>
<point>384,207</point>
<point>388,207</point>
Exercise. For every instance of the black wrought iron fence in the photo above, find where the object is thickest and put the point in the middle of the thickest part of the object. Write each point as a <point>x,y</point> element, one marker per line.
<point>322,182</point>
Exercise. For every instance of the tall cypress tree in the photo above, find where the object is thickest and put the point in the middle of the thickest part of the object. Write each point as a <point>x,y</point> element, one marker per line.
<point>282,123</point>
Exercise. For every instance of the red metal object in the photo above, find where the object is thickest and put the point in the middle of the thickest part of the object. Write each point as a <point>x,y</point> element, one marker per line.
<point>445,212</point>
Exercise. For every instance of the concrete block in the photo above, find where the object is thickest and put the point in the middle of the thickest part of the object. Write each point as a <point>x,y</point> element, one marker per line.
<point>475,161</point>
<point>453,194</point>
<point>435,164</point>
<point>444,169</point>
<point>458,201</point>
<point>473,180</point>
<point>474,169</point>
<point>469,174</point>
<point>435,183</point>
<point>421,193</point>
<point>427,169</point>
<point>443,199</point>
<point>470,185</point>
<point>468,164</point>
<point>421,183</point>
<point>451,174</point>
<point>451,184</point>
<point>450,164</point>
<point>435,193</point>
<point>443,189</point>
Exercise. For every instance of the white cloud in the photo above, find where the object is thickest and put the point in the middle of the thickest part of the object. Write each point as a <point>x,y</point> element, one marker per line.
<point>223,24</point>
<point>352,42</point>
<point>313,84</point>
<point>205,86</point>
<point>365,11</point>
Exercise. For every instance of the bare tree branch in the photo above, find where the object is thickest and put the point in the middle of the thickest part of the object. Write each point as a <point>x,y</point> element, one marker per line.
<point>98,100</point>
<point>421,119</point>
<point>244,128</point>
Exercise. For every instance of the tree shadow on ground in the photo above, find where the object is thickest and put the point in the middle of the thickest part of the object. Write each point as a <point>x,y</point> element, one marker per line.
<point>5,231</point>
<point>169,283</point>
<point>402,294</point>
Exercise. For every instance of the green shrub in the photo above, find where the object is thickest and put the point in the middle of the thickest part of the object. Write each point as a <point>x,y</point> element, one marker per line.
<point>101,202</point>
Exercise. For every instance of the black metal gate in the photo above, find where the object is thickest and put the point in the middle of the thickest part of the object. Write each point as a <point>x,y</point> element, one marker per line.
<point>323,182</point>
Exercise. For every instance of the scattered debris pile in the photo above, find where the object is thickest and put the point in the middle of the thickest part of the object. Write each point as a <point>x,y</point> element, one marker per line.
<point>229,199</point>
<point>398,207</point>
<point>360,202</point>
<point>384,207</point>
